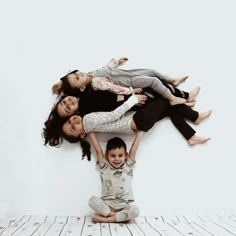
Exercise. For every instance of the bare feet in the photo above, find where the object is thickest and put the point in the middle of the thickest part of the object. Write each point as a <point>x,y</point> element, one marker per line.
<point>190,104</point>
<point>202,116</point>
<point>112,213</point>
<point>176,100</point>
<point>102,219</point>
<point>194,140</point>
<point>178,81</point>
<point>193,94</point>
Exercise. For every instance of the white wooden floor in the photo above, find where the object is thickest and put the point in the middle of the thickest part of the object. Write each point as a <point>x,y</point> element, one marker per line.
<point>220,225</point>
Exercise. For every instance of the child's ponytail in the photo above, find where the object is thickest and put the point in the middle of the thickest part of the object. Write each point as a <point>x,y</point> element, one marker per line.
<point>85,149</point>
<point>83,143</point>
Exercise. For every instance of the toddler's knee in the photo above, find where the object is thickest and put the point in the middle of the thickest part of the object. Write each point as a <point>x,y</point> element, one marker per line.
<point>93,201</point>
<point>134,211</point>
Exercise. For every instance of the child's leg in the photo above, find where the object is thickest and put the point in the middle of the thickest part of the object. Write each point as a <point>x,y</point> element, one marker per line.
<point>154,73</point>
<point>99,206</point>
<point>127,213</point>
<point>157,86</point>
<point>151,73</point>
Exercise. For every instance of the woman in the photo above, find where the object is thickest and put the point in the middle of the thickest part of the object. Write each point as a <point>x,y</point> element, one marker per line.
<point>118,121</point>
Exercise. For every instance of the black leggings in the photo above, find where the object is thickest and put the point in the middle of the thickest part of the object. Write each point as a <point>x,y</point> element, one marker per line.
<point>159,108</point>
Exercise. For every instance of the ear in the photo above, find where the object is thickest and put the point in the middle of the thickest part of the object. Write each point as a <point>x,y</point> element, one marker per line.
<point>126,156</point>
<point>82,135</point>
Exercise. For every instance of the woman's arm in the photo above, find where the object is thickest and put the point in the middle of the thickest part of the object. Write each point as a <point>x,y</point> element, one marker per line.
<point>134,147</point>
<point>97,147</point>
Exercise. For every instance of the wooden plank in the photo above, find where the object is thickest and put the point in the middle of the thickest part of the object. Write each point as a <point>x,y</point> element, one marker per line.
<point>31,226</point>
<point>45,226</point>
<point>145,227</point>
<point>7,221</point>
<point>164,228</point>
<point>90,228</point>
<point>57,227</point>
<point>73,227</point>
<point>134,229</point>
<point>198,230</point>
<point>213,229</point>
<point>105,229</point>
<point>119,229</point>
<point>16,226</point>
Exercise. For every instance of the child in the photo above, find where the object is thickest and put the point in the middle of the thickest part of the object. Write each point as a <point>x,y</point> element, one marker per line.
<point>120,81</point>
<point>116,169</point>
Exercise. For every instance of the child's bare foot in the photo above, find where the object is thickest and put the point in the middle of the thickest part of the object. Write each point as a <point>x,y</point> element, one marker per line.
<point>178,81</point>
<point>190,104</point>
<point>102,219</point>
<point>176,100</point>
<point>112,213</point>
<point>193,94</point>
<point>194,140</point>
<point>202,116</point>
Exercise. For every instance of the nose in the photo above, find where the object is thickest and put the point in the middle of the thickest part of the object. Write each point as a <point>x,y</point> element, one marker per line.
<point>69,101</point>
<point>72,119</point>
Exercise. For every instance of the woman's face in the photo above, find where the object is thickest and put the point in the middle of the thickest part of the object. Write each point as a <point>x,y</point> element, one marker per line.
<point>68,106</point>
<point>77,80</point>
<point>74,127</point>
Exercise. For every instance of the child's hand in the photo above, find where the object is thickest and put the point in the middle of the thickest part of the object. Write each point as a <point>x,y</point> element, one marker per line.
<point>137,90</point>
<point>122,60</point>
<point>56,87</point>
<point>141,99</point>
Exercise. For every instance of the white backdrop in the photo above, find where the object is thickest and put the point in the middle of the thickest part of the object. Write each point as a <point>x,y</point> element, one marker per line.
<point>42,40</point>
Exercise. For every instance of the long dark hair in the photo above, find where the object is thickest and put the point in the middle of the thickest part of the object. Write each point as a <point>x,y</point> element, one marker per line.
<point>52,132</point>
<point>83,143</point>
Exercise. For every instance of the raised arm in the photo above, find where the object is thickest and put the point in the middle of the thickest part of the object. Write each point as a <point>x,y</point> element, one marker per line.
<point>134,147</point>
<point>115,63</point>
<point>97,147</point>
<point>94,119</point>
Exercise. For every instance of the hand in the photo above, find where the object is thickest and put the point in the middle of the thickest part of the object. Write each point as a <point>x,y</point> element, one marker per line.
<point>141,99</point>
<point>137,90</point>
<point>122,60</point>
<point>56,87</point>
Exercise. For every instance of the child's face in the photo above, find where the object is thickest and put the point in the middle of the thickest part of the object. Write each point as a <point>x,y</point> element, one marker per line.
<point>77,80</point>
<point>68,106</point>
<point>116,157</point>
<point>74,127</point>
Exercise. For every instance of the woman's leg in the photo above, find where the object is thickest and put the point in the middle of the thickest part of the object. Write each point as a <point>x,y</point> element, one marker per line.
<point>179,122</point>
<point>152,112</point>
<point>186,112</point>
<point>145,118</point>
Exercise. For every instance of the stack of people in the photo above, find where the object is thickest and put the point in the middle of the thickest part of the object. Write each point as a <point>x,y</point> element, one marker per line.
<point>115,100</point>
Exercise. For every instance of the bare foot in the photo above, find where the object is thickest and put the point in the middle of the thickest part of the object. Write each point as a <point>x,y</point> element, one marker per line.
<point>112,213</point>
<point>176,100</point>
<point>102,219</point>
<point>193,94</point>
<point>178,81</point>
<point>190,104</point>
<point>194,140</point>
<point>202,116</point>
